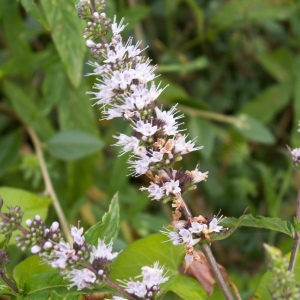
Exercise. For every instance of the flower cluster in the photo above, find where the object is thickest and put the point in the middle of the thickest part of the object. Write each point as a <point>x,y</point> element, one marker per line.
<point>126,89</point>
<point>83,264</point>
<point>189,233</point>
<point>148,288</point>
<point>11,220</point>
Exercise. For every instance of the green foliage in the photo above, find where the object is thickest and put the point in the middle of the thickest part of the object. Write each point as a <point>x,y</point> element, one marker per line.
<point>233,67</point>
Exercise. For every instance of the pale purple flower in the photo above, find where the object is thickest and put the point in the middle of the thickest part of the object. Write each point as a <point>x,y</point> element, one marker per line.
<point>77,235</point>
<point>172,187</point>
<point>81,278</point>
<point>155,191</point>
<point>103,251</point>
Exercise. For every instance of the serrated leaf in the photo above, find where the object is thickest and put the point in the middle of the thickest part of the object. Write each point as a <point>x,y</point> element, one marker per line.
<point>108,228</point>
<point>186,287</point>
<point>30,204</point>
<point>254,130</point>
<point>248,220</point>
<point>73,144</point>
<point>145,252</point>
<point>66,30</point>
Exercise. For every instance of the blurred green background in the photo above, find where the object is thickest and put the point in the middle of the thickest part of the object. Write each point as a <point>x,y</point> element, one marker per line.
<point>233,67</point>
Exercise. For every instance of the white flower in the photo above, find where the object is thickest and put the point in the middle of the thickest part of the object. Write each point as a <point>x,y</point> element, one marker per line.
<point>171,126</point>
<point>145,129</point>
<point>155,191</point>
<point>137,288</point>
<point>82,278</point>
<point>103,251</point>
<point>196,175</point>
<point>129,143</point>
<point>196,227</point>
<point>117,28</point>
<point>153,275</point>
<point>183,147</point>
<point>213,225</point>
<point>172,186</point>
<point>140,166</point>
<point>77,235</point>
<point>61,255</point>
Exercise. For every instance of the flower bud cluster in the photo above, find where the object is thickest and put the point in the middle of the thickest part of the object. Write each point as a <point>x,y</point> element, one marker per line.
<point>126,89</point>
<point>11,220</point>
<point>284,284</point>
<point>149,287</point>
<point>190,232</point>
<point>37,235</point>
<point>3,258</point>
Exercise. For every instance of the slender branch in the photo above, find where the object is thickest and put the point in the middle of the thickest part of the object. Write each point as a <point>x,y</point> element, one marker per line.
<point>210,258</point>
<point>295,248</point>
<point>49,190</point>
<point>216,271</point>
<point>120,289</point>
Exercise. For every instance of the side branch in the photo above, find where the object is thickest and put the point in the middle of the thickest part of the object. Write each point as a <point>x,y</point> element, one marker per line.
<point>49,190</point>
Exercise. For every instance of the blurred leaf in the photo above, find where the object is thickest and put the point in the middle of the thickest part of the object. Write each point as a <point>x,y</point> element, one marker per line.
<point>145,252</point>
<point>134,15</point>
<point>27,110</point>
<point>32,8</point>
<point>186,287</point>
<point>265,285</point>
<point>30,204</point>
<point>197,64</point>
<point>251,11</point>
<point>269,103</point>
<point>253,130</point>
<point>66,30</point>
<point>275,224</point>
<point>278,63</point>
<point>202,130</point>
<point>108,228</point>
<point>10,146</point>
<point>73,144</point>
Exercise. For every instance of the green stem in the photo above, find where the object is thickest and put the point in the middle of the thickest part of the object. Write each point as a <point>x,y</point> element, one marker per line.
<point>216,271</point>
<point>49,190</point>
<point>295,248</point>
<point>120,289</point>
<point>8,282</point>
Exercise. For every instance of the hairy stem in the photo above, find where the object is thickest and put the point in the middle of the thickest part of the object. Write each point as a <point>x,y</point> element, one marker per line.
<point>295,248</point>
<point>120,289</point>
<point>8,282</point>
<point>49,190</point>
<point>211,259</point>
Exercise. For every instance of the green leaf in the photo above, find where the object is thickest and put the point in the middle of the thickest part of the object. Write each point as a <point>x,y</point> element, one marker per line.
<point>38,280</point>
<point>27,110</point>
<point>32,8</point>
<point>73,144</point>
<point>66,30</point>
<point>108,228</point>
<point>10,146</point>
<point>275,224</point>
<point>30,204</point>
<point>253,130</point>
<point>186,287</point>
<point>269,103</point>
<point>202,130</point>
<point>145,252</point>
<point>134,15</point>
<point>197,64</point>
<point>278,63</point>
